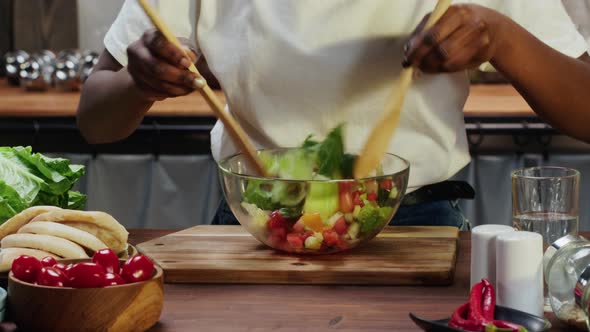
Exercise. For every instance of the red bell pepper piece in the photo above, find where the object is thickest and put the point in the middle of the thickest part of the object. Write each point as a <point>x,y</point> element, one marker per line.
<point>489,300</point>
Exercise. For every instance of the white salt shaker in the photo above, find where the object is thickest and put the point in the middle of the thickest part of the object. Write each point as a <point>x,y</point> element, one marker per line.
<point>519,271</point>
<point>483,252</point>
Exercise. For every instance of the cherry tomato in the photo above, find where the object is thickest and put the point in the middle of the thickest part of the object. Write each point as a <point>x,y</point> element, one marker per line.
<point>62,267</point>
<point>86,275</point>
<point>107,259</point>
<point>137,268</point>
<point>113,279</point>
<point>50,276</point>
<point>26,268</point>
<point>48,261</point>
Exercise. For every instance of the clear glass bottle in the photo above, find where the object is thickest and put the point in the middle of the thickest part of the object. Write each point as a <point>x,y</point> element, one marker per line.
<point>566,262</point>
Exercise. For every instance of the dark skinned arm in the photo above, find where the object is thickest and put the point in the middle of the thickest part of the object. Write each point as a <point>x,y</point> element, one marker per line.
<point>114,99</point>
<point>555,85</point>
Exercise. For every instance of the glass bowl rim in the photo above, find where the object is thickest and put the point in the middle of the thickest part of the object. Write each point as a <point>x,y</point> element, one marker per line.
<point>570,173</point>
<point>225,170</point>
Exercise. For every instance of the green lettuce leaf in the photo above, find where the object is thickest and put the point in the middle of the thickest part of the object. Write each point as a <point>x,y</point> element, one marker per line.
<point>76,200</point>
<point>10,201</point>
<point>29,179</point>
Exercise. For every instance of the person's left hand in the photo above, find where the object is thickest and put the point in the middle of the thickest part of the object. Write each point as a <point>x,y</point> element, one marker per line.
<point>465,37</point>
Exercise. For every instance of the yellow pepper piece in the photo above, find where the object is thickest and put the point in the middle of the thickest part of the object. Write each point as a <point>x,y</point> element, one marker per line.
<point>313,221</point>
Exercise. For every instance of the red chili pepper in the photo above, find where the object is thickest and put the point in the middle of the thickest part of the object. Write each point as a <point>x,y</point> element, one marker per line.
<point>475,305</point>
<point>508,325</point>
<point>459,320</point>
<point>489,300</point>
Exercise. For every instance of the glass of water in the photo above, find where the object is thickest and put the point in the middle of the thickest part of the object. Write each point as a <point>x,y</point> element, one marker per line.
<point>545,200</point>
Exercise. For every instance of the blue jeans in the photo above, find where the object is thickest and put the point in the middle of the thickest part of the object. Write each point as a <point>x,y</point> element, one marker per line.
<point>438,213</point>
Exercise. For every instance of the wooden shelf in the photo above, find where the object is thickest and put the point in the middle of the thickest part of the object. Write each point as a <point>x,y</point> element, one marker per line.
<point>484,101</point>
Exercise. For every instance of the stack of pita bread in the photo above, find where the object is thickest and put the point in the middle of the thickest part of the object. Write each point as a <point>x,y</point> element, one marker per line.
<point>42,231</point>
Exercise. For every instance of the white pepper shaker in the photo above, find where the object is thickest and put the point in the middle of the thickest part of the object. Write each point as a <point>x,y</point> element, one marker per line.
<point>519,271</point>
<point>483,252</point>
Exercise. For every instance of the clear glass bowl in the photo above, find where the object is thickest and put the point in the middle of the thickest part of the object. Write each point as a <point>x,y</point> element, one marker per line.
<point>313,216</point>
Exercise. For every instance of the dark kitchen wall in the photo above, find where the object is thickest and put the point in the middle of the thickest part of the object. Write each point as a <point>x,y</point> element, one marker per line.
<point>5,26</point>
<point>33,25</point>
<point>45,24</point>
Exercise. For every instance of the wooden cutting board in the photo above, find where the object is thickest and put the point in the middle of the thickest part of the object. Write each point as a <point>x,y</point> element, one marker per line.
<point>228,254</point>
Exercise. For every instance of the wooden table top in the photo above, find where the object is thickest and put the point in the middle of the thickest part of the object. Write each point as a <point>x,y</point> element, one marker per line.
<point>484,100</point>
<point>309,308</point>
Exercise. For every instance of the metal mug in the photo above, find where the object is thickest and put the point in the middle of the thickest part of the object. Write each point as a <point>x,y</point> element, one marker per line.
<point>89,60</point>
<point>67,71</point>
<point>12,65</point>
<point>36,73</point>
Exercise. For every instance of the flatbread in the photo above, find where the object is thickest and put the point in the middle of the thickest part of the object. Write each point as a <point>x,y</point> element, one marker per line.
<point>100,224</point>
<point>53,244</point>
<point>75,235</point>
<point>13,224</point>
<point>8,255</point>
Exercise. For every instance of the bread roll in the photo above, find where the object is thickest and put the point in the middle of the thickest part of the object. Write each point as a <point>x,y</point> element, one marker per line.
<point>8,255</point>
<point>53,244</point>
<point>99,224</point>
<point>80,237</point>
<point>13,224</point>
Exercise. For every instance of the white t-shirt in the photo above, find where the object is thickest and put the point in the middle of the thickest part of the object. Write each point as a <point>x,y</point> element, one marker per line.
<point>291,68</point>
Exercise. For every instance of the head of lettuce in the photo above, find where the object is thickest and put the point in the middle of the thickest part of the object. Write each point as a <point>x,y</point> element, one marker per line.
<point>30,179</point>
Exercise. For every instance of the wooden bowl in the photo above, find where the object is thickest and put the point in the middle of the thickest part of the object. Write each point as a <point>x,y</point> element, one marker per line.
<point>130,307</point>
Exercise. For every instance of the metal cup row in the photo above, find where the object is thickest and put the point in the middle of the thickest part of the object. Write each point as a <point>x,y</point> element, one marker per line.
<point>39,71</point>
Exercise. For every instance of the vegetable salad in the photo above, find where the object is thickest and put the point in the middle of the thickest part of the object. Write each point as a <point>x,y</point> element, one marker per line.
<point>302,214</point>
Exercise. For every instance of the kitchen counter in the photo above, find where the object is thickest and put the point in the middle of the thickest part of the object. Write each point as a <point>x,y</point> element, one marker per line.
<point>309,308</point>
<point>484,100</point>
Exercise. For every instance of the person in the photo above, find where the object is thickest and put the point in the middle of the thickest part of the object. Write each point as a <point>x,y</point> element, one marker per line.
<point>298,67</point>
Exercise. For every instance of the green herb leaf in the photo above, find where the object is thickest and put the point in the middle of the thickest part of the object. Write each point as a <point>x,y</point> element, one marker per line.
<point>258,194</point>
<point>347,165</point>
<point>331,153</point>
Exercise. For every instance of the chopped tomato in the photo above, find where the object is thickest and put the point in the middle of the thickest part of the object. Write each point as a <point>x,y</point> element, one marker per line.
<point>313,221</point>
<point>372,197</point>
<point>341,227</point>
<point>356,199</point>
<point>387,184</point>
<point>305,235</point>
<point>295,240</point>
<point>371,186</point>
<point>277,221</point>
<point>331,238</point>
<point>299,226</point>
<point>278,226</point>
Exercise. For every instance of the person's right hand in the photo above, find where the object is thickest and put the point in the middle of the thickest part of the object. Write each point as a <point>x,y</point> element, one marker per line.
<point>158,68</point>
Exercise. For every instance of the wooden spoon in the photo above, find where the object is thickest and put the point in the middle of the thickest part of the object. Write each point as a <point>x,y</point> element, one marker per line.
<point>379,139</point>
<point>235,130</point>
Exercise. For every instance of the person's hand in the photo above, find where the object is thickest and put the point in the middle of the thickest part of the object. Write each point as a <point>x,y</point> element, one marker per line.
<point>465,37</point>
<point>158,68</point>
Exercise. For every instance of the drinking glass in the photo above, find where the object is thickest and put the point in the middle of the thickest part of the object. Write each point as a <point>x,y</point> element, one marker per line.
<point>545,200</point>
